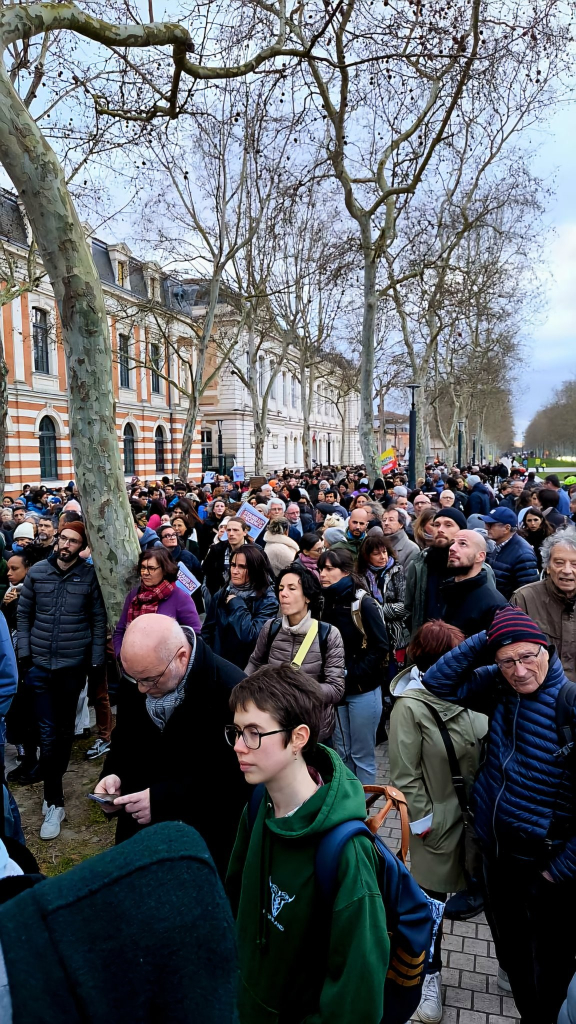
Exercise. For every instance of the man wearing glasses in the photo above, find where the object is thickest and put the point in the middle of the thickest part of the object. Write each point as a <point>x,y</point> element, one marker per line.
<point>523,800</point>
<point>61,636</point>
<point>169,760</point>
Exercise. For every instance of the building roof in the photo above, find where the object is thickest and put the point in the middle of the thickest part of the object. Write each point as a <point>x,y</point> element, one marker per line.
<point>173,293</point>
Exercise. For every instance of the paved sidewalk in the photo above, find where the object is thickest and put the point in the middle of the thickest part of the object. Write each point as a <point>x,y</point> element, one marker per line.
<point>470,966</point>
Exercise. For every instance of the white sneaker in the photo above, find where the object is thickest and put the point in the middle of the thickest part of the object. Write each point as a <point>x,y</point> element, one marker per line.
<point>430,1008</point>
<point>51,824</point>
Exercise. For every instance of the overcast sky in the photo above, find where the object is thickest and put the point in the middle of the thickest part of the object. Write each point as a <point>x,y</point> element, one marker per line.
<point>551,348</point>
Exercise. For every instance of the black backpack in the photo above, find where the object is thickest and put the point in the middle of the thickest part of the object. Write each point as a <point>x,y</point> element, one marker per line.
<point>565,704</point>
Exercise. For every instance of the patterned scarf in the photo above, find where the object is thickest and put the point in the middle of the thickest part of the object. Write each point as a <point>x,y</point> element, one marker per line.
<point>161,708</point>
<point>147,600</point>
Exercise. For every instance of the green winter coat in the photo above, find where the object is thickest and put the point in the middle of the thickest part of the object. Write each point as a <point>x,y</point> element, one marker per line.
<point>299,963</point>
<point>419,768</point>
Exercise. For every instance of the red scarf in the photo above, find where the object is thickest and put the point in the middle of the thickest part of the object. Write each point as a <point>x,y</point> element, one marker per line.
<point>146,601</point>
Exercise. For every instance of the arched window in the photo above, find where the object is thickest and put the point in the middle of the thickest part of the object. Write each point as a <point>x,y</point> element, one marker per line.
<point>48,457</point>
<point>129,461</point>
<point>159,443</point>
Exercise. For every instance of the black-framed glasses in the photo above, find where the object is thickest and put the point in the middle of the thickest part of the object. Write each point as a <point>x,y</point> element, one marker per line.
<point>251,736</point>
<point>147,570</point>
<point>148,683</point>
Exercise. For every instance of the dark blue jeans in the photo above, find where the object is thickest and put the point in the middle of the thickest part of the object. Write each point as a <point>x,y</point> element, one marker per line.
<point>55,698</point>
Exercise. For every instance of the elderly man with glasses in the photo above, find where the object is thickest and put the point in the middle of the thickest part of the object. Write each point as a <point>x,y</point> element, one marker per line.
<point>523,801</point>
<point>168,759</point>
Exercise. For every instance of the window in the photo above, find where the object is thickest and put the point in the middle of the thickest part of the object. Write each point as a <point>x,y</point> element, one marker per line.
<point>129,461</point>
<point>123,361</point>
<point>159,443</point>
<point>293,398</point>
<point>48,458</point>
<point>248,368</point>
<point>122,274</point>
<point>206,445</point>
<point>284,389</point>
<point>273,379</point>
<point>155,364</point>
<point>295,451</point>
<point>261,375</point>
<point>286,452</point>
<point>40,336</point>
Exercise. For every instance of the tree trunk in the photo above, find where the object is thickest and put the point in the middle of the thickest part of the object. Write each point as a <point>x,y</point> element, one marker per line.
<point>188,437</point>
<point>198,382</point>
<point>258,449</point>
<point>366,425</point>
<point>307,396</point>
<point>422,428</point>
<point>36,174</point>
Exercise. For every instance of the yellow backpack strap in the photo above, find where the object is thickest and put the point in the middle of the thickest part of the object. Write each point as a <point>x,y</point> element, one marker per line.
<point>306,644</point>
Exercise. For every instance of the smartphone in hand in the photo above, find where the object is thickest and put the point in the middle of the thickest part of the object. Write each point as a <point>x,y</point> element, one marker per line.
<point>102,798</point>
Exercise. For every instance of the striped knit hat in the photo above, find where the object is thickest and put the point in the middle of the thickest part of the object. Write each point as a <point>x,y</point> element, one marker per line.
<point>511,626</point>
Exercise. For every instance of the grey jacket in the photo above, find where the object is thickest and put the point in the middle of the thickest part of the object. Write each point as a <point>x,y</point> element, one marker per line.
<point>405,549</point>
<point>61,616</point>
<point>284,648</point>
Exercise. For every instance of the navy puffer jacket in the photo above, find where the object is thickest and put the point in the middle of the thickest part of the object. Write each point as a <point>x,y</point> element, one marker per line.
<point>523,794</point>
<point>514,565</point>
<point>478,501</point>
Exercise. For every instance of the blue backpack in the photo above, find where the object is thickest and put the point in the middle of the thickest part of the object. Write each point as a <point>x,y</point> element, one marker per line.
<point>409,913</point>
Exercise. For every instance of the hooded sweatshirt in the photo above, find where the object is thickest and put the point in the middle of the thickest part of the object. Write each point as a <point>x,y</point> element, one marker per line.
<point>301,961</point>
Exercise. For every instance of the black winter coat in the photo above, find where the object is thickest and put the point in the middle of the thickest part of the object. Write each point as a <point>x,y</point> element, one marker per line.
<point>514,565</point>
<point>61,616</point>
<point>206,533</point>
<point>214,566</point>
<point>365,666</point>
<point>232,628</point>
<point>471,604</point>
<point>192,773</point>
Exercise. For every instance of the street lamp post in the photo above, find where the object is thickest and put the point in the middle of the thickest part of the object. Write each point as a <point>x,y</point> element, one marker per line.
<point>460,439</point>
<point>473,449</point>
<point>220,450</point>
<point>412,439</point>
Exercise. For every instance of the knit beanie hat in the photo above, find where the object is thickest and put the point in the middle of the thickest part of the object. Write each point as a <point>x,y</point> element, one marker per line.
<point>378,484</point>
<point>24,530</point>
<point>76,526</point>
<point>511,626</point>
<point>333,535</point>
<point>452,513</point>
<point>472,479</point>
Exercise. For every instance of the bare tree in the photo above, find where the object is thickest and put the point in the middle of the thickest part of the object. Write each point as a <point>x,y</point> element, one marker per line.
<point>138,95</point>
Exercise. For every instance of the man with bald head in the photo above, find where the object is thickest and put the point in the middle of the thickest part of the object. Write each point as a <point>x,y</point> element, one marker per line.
<point>470,597</point>
<point>168,759</point>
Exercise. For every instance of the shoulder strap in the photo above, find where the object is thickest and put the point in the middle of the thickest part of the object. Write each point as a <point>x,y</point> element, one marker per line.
<point>356,611</point>
<point>256,798</point>
<point>275,627</point>
<point>306,644</point>
<point>457,780</point>
<point>323,634</point>
<point>565,703</point>
<point>328,854</point>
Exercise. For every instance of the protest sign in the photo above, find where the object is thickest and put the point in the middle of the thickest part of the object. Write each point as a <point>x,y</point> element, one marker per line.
<point>186,580</point>
<point>256,520</point>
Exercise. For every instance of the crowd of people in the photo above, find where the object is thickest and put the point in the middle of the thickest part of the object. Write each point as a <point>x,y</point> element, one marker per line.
<point>441,618</point>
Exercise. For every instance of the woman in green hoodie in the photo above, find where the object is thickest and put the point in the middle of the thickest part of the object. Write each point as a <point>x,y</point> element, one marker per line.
<point>301,961</point>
